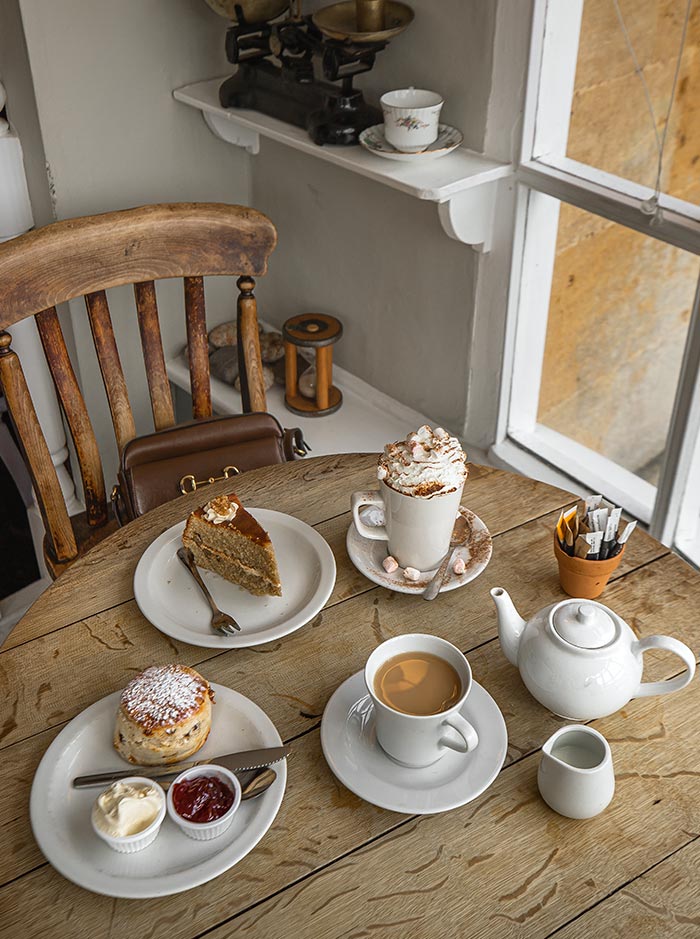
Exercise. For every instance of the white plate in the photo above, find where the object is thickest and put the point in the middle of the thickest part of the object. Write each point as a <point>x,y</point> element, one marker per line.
<point>351,750</point>
<point>448,139</point>
<point>168,596</point>
<point>60,815</point>
<point>367,556</point>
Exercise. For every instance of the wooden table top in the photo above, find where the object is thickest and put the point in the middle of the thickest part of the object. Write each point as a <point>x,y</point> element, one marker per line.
<point>333,865</point>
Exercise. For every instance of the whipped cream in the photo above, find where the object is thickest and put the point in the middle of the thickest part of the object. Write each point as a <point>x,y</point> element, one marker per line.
<point>220,510</point>
<point>427,463</point>
<point>126,809</point>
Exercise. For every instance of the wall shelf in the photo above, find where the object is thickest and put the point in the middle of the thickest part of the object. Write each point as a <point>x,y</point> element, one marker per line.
<point>463,184</point>
<point>366,421</point>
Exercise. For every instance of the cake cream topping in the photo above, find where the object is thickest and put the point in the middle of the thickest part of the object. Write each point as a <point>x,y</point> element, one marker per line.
<point>427,463</point>
<point>220,510</point>
<point>126,809</point>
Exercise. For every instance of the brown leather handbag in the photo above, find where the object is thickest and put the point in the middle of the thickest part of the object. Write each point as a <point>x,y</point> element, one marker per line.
<point>159,467</point>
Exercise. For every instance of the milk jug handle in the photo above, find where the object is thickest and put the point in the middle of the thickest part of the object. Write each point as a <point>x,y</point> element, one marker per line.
<point>648,688</point>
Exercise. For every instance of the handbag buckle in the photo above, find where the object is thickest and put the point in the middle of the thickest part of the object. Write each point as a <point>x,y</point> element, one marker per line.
<point>189,484</point>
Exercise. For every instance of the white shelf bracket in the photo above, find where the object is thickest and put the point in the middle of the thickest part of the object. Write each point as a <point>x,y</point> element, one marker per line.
<point>233,132</point>
<point>469,216</point>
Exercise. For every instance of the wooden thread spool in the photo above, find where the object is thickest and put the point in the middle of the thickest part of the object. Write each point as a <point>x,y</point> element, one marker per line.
<point>311,331</point>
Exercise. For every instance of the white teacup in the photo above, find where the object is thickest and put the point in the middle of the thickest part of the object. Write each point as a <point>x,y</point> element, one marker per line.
<point>417,529</point>
<point>411,118</point>
<point>419,740</point>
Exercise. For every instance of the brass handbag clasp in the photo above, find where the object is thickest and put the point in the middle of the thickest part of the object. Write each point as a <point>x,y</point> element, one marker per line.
<point>190,484</point>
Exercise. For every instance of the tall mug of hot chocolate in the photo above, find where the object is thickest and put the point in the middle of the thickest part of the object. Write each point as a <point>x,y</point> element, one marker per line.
<point>421,480</point>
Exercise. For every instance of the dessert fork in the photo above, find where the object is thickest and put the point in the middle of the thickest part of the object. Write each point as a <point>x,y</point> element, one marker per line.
<point>223,624</point>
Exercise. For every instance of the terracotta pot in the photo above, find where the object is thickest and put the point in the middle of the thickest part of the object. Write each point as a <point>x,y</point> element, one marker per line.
<point>581,578</point>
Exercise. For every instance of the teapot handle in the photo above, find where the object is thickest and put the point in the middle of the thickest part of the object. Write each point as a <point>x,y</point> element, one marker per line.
<point>648,688</point>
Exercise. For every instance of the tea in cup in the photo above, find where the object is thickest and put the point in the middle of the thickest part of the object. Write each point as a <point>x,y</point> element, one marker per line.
<point>420,490</point>
<point>411,118</point>
<point>418,685</point>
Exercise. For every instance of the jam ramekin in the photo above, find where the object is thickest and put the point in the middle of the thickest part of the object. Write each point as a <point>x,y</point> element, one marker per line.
<point>205,831</point>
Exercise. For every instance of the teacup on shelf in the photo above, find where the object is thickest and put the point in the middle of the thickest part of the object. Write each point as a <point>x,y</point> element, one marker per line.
<point>411,118</point>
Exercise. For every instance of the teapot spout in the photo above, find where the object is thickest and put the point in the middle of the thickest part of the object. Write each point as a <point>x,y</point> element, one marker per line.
<point>510,624</point>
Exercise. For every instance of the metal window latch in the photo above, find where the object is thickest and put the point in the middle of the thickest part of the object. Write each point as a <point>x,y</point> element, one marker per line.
<point>190,484</point>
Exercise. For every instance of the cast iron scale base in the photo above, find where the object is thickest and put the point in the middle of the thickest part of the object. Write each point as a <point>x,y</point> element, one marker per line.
<point>278,65</point>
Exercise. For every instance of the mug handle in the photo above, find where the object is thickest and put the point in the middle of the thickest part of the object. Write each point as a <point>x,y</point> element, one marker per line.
<point>465,730</point>
<point>647,688</point>
<point>368,497</point>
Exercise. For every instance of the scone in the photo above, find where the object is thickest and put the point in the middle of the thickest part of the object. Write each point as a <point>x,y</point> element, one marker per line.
<point>226,539</point>
<point>164,715</point>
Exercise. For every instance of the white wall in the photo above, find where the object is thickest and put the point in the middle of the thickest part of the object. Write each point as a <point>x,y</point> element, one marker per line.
<point>376,258</point>
<point>113,137</point>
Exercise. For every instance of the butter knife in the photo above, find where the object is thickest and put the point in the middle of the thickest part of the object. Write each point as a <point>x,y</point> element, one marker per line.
<point>245,759</point>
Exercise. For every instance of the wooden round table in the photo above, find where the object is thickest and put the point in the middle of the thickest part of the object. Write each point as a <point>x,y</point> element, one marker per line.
<point>333,865</point>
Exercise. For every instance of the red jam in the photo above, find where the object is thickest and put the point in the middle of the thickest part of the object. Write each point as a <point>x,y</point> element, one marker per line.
<point>202,798</point>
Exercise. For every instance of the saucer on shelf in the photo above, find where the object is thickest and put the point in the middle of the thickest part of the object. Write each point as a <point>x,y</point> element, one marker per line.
<point>355,757</point>
<point>367,556</point>
<point>448,139</point>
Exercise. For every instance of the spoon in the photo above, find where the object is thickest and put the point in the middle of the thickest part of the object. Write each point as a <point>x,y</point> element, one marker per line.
<point>258,784</point>
<point>460,533</point>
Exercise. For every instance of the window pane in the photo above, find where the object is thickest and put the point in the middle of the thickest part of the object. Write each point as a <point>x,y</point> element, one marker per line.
<point>618,319</point>
<point>610,123</point>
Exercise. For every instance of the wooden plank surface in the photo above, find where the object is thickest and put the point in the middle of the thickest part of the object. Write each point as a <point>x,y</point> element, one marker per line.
<point>313,490</point>
<point>109,648</point>
<point>333,865</point>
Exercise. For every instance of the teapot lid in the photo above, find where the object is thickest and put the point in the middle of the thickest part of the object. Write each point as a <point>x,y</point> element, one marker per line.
<point>586,625</point>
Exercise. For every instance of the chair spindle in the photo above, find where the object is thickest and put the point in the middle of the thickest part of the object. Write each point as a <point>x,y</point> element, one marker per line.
<point>249,358</point>
<point>59,530</point>
<point>77,415</point>
<point>152,345</point>
<point>197,347</point>
<point>111,367</point>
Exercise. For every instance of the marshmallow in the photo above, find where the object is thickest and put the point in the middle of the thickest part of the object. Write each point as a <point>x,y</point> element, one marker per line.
<point>372,515</point>
<point>459,567</point>
<point>390,564</point>
<point>410,573</point>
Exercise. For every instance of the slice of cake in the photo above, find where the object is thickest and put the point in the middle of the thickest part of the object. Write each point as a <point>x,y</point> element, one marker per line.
<point>226,539</point>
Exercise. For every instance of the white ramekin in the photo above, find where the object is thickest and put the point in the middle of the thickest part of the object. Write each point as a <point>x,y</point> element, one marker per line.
<point>130,844</point>
<point>205,831</point>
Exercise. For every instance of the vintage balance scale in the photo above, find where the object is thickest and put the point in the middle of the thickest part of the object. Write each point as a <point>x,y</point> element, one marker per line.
<point>288,62</point>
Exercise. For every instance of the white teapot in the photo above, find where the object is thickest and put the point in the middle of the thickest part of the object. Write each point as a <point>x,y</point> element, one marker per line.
<point>581,660</point>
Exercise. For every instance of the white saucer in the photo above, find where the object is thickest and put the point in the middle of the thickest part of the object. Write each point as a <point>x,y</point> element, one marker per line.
<point>168,596</point>
<point>367,556</point>
<point>354,756</point>
<point>60,815</point>
<point>448,139</point>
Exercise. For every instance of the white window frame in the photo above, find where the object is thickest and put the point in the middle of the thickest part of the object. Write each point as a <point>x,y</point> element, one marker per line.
<point>671,510</point>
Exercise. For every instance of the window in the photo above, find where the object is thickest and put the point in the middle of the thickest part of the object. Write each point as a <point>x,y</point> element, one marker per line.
<point>601,378</point>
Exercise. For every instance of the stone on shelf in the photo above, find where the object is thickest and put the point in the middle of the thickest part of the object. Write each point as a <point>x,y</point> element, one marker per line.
<point>225,334</point>
<point>271,347</point>
<point>223,364</point>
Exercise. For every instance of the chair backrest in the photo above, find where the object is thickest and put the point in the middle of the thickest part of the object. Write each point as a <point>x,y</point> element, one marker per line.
<point>85,257</point>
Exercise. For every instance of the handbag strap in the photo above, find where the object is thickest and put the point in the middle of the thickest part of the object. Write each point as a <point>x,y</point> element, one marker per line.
<point>295,447</point>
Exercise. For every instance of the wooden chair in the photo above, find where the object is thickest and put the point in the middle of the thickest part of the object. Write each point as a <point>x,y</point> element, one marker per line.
<point>84,257</point>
